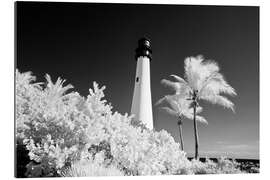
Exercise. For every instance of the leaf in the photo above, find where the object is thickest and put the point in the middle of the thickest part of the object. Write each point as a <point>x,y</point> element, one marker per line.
<point>220,100</point>
<point>179,79</point>
<point>169,111</point>
<point>217,84</point>
<point>198,118</point>
<point>201,119</point>
<point>160,101</point>
<point>173,85</point>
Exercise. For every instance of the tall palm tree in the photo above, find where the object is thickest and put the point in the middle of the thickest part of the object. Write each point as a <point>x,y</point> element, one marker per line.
<point>180,108</point>
<point>202,81</point>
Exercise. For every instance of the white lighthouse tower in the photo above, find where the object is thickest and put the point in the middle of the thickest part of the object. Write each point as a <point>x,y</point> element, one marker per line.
<point>141,102</point>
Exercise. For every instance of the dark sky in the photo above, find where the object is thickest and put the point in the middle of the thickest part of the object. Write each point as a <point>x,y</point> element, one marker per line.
<point>86,42</point>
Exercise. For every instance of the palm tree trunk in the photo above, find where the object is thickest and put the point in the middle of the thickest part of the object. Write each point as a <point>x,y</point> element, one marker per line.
<point>195,131</point>
<point>180,123</point>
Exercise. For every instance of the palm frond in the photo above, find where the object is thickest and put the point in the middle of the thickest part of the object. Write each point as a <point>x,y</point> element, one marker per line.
<point>172,101</point>
<point>217,84</point>
<point>176,103</point>
<point>201,119</point>
<point>160,101</point>
<point>180,106</point>
<point>173,85</point>
<point>211,66</point>
<point>210,78</point>
<point>195,71</point>
<point>200,72</point>
<point>181,89</point>
<point>184,89</point>
<point>169,111</point>
<point>220,100</point>
<point>198,118</point>
<point>179,79</point>
<point>198,110</point>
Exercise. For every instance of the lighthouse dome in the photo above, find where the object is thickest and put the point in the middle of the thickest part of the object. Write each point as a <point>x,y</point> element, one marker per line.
<point>144,48</point>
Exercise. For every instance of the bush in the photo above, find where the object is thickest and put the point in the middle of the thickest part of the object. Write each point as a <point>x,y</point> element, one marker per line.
<point>223,166</point>
<point>66,134</point>
<point>226,166</point>
<point>60,129</point>
<point>91,167</point>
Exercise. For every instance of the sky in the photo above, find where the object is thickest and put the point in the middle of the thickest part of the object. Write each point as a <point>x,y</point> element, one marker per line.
<point>86,42</point>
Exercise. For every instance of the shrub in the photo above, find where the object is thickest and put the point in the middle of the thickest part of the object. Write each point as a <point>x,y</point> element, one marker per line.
<point>226,166</point>
<point>223,166</point>
<point>66,134</point>
<point>91,167</point>
<point>60,129</point>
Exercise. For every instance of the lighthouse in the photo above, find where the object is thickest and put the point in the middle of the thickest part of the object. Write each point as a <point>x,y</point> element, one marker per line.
<point>142,102</point>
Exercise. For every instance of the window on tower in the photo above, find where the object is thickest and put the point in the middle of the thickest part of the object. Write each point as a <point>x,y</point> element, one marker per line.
<point>137,79</point>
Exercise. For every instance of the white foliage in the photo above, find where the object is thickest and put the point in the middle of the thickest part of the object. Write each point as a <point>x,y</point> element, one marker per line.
<point>62,131</point>
<point>179,106</point>
<point>203,76</point>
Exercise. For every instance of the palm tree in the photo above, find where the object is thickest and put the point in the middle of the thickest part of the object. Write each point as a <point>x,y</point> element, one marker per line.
<point>180,108</point>
<point>202,81</point>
